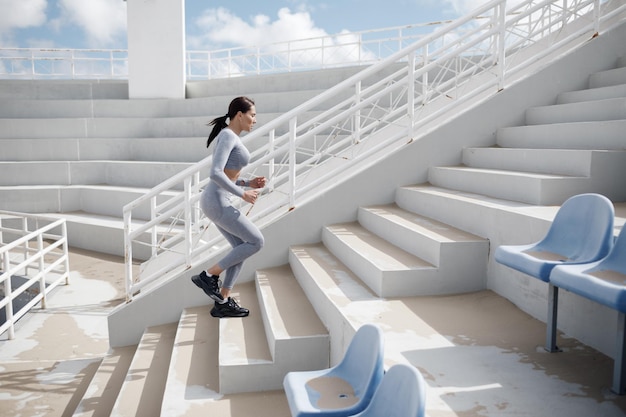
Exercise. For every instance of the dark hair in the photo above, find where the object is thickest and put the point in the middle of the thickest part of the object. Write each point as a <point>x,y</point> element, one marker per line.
<point>239,104</point>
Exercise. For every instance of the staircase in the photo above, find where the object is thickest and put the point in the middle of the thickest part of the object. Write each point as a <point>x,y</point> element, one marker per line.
<point>434,238</point>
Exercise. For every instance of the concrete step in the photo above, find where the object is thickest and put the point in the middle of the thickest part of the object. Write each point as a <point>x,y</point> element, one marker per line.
<point>298,342</point>
<point>116,173</point>
<point>450,249</point>
<point>116,127</point>
<point>192,378</point>
<point>106,383</point>
<point>597,110</point>
<point>63,89</point>
<point>256,352</point>
<point>144,384</point>
<point>601,93</point>
<point>526,187</point>
<point>331,286</point>
<point>472,212</point>
<point>104,234</point>
<point>570,162</point>
<point>170,149</point>
<point>606,78</point>
<point>268,102</point>
<point>297,80</point>
<point>607,135</point>
<point>388,270</point>
<point>96,199</point>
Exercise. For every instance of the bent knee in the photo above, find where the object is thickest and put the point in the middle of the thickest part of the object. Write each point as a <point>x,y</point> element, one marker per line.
<point>259,243</point>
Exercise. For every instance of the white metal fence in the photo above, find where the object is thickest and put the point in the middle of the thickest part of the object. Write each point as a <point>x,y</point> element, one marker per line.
<point>35,249</point>
<point>354,48</point>
<point>459,62</point>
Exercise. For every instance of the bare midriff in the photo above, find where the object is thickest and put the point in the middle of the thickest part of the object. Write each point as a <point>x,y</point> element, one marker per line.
<point>232,174</point>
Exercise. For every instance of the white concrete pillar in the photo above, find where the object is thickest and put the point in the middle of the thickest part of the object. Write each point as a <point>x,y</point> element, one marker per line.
<point>156,48</point>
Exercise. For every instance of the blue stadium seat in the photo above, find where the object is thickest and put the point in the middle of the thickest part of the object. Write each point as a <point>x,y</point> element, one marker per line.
<point>402,393</point>
<point>604,282</point>
<point>345,389</point>
<point>581,232</point>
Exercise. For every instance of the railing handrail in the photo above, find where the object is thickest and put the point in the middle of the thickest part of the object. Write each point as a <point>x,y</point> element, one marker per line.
<point>48,257</point>
<point>487,37</point>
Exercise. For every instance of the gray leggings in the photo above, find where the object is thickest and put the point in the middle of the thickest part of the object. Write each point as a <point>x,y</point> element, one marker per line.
<point>243,235</point>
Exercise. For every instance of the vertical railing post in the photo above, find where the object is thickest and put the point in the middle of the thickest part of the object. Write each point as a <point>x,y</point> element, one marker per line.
<point>292,163</point>
<point>195,208</point>
<point>7,295</point>
<point>42,267</point>
<point>500,15</point>
<point>128,256</point>
<point>187,214</point>
<point>32,62</point>
<point>66,255</point>
<point>425,81</point>
<point>154,237</point>
<point>271,164</point>
<point>596,17</point>
<point>357,115</point>
<point>411,93</point>
<point>26,247</point>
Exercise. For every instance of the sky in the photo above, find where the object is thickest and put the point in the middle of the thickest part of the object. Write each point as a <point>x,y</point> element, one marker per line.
<point>212,24</point>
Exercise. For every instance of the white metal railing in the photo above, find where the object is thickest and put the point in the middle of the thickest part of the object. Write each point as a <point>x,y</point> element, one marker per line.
<point>342,49</point>
<point>354,48</point>
<point>35,248</point>
<point>467,59</point>
<point>35,63</point>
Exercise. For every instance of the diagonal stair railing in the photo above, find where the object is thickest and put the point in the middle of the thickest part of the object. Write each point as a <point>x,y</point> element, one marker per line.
<point>372,112</point>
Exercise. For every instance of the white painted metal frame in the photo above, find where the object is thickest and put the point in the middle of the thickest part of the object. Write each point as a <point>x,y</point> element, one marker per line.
<point>470,57</point>
<point>36,248</point>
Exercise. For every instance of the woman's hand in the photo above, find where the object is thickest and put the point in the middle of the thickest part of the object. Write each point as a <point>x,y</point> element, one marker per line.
<point>250,196</point>
<point>258,182</point>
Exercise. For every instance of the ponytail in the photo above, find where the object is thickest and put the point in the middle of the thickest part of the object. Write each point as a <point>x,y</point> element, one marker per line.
<point>218,124</point>
<point>239,104</point>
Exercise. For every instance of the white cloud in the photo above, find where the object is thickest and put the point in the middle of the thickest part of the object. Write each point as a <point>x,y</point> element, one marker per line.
<point>103,21</point>
<point>17,14</point>
<point>462,7</point>
<point>221,27</point>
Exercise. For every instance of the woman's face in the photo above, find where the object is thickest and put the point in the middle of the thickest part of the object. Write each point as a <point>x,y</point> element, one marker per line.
<point>248,119</point>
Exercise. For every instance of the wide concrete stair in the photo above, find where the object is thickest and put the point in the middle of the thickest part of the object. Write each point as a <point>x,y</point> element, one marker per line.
<point>434,238</point>
<point>574,146</point>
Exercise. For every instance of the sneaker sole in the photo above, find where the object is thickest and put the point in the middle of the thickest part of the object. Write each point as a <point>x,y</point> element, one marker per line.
<point>201,284</point>
<point>221,316</point>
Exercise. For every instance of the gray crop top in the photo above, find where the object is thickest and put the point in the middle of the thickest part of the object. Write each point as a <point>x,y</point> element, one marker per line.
<point>229,153</point>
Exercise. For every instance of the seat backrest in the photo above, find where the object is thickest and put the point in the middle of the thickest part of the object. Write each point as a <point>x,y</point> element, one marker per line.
<point>402,393</point>
<point>582,229</point>
<point>362,365</point>
<point>616,260</point>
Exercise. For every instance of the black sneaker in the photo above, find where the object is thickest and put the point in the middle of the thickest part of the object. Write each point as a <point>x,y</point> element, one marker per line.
<point>229,309</point>
<point>209,284</point>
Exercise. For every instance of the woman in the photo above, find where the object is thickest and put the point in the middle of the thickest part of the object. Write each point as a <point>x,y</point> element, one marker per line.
<point>229,157</point>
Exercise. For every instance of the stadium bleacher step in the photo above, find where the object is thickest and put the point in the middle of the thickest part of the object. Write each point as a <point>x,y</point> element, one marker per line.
<point>594,110</point>
<point>256,352</point>
<point>600,93</point>
<point>105,385</point>
<point>607,135</point>
<point>192,378</point>
<point>146,377</point>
